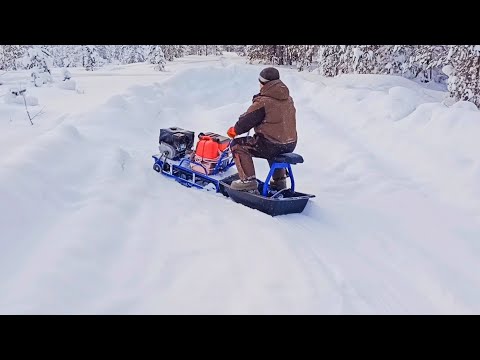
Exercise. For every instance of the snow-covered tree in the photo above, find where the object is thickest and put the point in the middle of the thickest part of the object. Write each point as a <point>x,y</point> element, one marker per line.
<point>204,50</point>
<point>397,60</point>
<point>297,55</point>
<point>169,52</point>
<point>157,57</point>
<point>217,50</point>
<point>300,56</point>
<point>364,59</point>
<point>116,52</point>
<point>332,59</point>
<point>103,52</point>
<point>305,56</point>
<point>463,64</point>
<point>239,49</point>
<point>110,54</point>
<point>428,61</point>
<point>192,49</point>
<point>65,55</point>
<point>180,50</point>
<point>261,53</point>
<point>228,48</point>
<point>39,60</point>
<point>129,54</point>
<point>10,56</point>
<point>91,58</point>
<point>195,49</point>
<point>58,53</point>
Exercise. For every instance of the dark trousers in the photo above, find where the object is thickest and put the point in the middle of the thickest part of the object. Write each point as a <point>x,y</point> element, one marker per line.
<point>245,148</point>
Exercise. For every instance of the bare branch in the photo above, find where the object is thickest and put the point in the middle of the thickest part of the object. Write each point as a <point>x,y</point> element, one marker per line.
<point>39,113</point>
<point>26,108</point>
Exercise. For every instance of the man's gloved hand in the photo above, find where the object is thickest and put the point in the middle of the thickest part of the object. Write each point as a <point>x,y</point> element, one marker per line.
<point>231,132</point>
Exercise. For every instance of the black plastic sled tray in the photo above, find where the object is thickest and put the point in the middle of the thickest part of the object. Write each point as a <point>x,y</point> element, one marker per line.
<point>279,203</point>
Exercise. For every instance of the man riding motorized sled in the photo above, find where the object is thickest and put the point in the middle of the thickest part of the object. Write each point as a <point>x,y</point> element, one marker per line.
<point>272,116</point>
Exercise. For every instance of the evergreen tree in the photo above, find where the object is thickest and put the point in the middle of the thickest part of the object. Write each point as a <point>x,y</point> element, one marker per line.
<point>333,59</point>
<point>157,57</point>
<point>429,60</point>
<point>10,55</point>
<point>464,80</point>
<point>90,57</point>
<point>169,52</point>
<point>39,60</point>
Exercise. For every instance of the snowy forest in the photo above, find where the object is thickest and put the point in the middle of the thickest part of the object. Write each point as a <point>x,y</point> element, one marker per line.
<point>455,66</point>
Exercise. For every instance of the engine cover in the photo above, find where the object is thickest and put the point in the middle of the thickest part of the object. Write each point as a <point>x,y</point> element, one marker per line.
<point>175,142</point>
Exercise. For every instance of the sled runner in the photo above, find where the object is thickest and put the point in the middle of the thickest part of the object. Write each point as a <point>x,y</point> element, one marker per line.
<point>266,200</point>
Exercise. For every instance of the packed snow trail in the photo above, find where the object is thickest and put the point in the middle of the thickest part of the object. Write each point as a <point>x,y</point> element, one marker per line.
<point>88,227</point>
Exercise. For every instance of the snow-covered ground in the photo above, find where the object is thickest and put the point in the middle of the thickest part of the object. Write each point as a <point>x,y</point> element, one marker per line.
<point>86,225</point>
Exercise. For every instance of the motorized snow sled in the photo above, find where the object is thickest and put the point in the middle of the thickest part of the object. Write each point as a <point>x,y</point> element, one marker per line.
<point>207,167</point>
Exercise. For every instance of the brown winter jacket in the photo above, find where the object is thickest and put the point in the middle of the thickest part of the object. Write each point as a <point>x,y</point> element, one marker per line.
<point>272,114</point>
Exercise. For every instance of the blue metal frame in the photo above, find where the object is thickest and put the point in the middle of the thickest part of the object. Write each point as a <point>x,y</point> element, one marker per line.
<point>191,162</point>
<point>176,178</point>
<point>184,182</point>
<point>275,166</point>
<point>219,167</point>
<point>222,165</point>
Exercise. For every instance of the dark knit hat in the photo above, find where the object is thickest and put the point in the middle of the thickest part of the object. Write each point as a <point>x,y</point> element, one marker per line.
<point>268,74</point>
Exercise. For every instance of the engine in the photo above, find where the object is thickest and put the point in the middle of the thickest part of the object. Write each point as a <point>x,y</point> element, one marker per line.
<point>175,142</point>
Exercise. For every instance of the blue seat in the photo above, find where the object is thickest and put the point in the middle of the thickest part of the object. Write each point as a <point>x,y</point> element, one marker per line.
<point>282,161</point>
<point>289,158</point>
